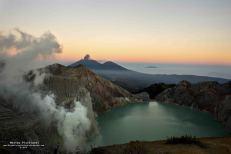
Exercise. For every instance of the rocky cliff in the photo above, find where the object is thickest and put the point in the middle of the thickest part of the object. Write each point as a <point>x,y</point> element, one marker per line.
<point>66,82</point>
<point>207,96</point>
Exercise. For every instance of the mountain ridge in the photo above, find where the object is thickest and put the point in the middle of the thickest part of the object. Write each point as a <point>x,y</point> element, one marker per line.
<point>210,96</point>
<point>135,81</point>
<point>93,64</point>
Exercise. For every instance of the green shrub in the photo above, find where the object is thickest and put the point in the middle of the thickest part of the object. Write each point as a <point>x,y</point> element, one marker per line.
<point>186,139</point>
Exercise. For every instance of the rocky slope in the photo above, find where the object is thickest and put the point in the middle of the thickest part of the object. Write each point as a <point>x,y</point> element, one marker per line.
<point>65,83</point>
<point>207,96</point>
<point>17,127</point>
<point>94,65</point>
<point>155,89</point>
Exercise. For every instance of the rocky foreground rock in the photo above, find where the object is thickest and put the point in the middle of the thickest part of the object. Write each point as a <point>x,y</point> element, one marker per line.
<point>206,96</point>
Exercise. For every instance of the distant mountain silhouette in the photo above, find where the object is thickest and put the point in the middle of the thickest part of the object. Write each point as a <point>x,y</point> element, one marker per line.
<point>95,65</point>
<point>91,64</point>
<point>135,81</point>
<point>109,65</point>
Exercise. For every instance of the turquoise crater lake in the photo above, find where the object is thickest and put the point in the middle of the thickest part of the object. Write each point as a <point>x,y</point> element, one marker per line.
<point>154,121</point>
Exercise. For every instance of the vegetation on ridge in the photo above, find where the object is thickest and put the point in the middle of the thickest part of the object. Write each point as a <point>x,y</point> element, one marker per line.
<point>186,139</point>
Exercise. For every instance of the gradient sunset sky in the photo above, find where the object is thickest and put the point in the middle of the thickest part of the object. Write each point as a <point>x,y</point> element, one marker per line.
<point>158,31</point>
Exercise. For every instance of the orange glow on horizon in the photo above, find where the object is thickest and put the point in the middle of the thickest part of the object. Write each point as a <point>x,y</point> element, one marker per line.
<point>146,53</point>
<point>168,48</point>
<point>203,58</point>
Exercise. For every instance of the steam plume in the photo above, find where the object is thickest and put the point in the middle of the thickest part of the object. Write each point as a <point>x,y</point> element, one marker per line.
<point>18,51</point>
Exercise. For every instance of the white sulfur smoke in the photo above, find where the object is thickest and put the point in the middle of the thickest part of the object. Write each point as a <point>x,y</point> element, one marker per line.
<point>18,51</point>
<point>74,126</point>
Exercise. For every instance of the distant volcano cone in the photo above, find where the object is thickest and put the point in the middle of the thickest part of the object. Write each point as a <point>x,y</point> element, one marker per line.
<point>87,57</point>
<point>88,62</point>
